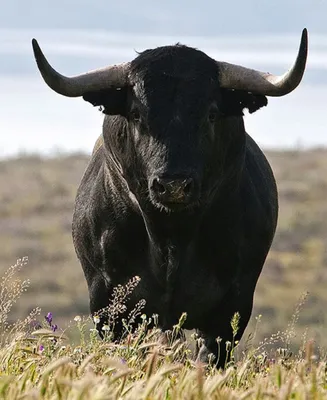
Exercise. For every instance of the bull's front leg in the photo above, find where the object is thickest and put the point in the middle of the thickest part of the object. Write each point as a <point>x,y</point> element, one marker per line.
<point>99,295</point>
<point>100,291</point>
<point>218,339</point>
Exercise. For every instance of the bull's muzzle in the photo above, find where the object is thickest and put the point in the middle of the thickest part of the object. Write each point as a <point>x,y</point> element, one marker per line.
<point>169,191</point>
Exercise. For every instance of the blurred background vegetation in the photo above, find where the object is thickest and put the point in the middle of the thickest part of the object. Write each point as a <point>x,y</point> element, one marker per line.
<point>37,196</point>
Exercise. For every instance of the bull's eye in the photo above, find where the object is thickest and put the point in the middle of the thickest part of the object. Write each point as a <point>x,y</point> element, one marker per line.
<point>212,116</point>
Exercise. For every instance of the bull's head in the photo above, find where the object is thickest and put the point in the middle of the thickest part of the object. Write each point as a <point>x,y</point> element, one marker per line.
<point>173,127</point>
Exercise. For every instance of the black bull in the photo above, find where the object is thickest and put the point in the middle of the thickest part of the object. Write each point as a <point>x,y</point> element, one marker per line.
<point>176,192</point>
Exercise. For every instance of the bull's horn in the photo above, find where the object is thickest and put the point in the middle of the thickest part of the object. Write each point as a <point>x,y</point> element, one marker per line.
<point>238,77</point>
<point>111,76</point>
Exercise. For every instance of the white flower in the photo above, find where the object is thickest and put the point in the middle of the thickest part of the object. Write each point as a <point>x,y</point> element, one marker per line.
<point>78,318</point>
<point>105,327</point>
<point>96,319</point>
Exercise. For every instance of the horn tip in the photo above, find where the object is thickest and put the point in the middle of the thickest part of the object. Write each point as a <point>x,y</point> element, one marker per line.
<point>304,35</point>
<point>36,47</point>
<point>304,41</point>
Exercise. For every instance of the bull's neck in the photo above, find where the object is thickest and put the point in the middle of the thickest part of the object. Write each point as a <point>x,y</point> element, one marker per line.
<point>170,238</point>
<point>169,242</point>
<point>175,229</point>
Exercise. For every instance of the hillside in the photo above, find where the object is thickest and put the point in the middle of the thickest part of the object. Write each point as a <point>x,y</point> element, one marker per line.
<point>37,195</point>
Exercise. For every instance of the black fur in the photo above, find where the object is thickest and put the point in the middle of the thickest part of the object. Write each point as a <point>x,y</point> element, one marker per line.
<point>235,101</point>
<point>112,101</point>
<point>203,257</point>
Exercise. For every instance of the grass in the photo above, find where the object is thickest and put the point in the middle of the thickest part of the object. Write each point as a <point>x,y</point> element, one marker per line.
<point>39,360</point>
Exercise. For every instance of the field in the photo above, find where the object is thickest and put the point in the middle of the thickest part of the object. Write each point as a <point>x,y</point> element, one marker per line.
<point>36,197</point>
<point>38,359</point>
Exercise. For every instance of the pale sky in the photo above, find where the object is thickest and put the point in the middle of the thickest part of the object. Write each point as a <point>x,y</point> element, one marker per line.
<point>35,119</point>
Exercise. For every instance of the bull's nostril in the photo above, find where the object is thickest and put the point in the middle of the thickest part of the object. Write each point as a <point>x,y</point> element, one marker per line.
<point>158,187</point>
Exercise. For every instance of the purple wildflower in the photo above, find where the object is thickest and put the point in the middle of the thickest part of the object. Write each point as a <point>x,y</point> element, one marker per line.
<point>41,348</point>
<point>48,318</point>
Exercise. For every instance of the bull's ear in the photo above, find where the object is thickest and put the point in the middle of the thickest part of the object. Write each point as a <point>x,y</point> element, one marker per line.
<point>112,101</point>
<point>235,101</point>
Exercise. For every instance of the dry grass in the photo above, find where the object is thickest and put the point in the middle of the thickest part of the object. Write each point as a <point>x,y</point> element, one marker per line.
<point>37,361</point>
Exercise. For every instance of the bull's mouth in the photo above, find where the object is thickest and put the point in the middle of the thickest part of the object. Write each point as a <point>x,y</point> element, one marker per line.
<point>173,206</point>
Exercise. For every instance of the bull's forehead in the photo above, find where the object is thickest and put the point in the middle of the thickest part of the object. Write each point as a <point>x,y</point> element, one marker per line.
<point>174,81</point>
<point>170,67</point>
<point>162,94</point>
